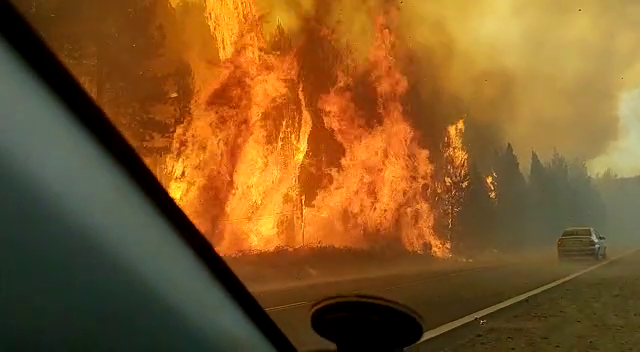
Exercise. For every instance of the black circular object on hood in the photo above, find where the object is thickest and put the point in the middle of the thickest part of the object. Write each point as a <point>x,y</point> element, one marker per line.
<point>366,323</point>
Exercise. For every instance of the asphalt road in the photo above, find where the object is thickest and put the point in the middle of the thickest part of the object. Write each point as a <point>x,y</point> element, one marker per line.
<point>596,311</point>
<point>440,295</point>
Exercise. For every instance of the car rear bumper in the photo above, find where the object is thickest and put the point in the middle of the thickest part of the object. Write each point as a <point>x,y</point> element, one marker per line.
<point>577,252</point>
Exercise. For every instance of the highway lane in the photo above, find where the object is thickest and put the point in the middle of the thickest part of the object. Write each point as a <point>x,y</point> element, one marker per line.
<point>595,311</point>
<point>440,295</point>
<point>278,299</point>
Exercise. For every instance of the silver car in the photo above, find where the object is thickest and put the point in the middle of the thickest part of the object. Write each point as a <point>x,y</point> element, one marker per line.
<point>583,242</point>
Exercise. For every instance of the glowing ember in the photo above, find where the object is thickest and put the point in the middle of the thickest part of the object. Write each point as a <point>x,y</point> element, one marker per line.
<point>237,162</point>
<point>491,184</point>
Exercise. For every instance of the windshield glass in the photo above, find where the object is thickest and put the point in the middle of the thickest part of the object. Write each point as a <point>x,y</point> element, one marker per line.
<point>576,232</point>
<point>418,150</point>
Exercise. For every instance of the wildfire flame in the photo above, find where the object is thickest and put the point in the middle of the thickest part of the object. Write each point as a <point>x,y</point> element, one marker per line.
<point>236,164</point>
<point>247,140</point>
<point>227,20</point>
<point>379,185</point>
<point>491,184</point>
<point>456,174</point>
<point>456,156</point>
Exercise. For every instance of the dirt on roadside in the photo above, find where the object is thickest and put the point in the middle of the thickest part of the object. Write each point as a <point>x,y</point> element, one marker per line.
<point>597,311</point>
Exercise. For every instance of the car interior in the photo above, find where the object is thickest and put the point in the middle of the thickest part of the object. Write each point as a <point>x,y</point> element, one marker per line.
<point>94,253</point>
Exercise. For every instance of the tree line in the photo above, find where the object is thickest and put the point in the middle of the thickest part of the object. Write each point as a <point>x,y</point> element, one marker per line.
<point>502,208</point>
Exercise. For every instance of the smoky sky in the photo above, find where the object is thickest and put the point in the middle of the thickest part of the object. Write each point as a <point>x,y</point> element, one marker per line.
<point>542,75</point>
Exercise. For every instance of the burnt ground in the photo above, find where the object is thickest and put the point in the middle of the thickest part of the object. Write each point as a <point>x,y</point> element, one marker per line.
<point>597,311</point>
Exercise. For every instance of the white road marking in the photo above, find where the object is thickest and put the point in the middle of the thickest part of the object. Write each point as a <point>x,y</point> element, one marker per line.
<point>471,317</point>
<point>286,306</point>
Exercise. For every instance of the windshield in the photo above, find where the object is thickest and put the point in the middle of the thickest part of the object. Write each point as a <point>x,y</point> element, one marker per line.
<point>417,150</point>
<point>576,232</point>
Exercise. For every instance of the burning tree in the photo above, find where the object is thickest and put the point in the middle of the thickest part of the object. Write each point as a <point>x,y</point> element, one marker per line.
<point>455,178</point>
<point>286,139</point>
<point>238,162</point>
<point>266,148</point>
<point>491,181</point>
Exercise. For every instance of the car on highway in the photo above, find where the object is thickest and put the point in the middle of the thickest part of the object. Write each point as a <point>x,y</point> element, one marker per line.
<point>581,242</point>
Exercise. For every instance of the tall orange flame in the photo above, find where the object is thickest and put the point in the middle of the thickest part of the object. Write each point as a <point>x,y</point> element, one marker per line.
<point>236,164</point>
<point>246,142</point>
<point>228,20</point>
<point>379,187</point>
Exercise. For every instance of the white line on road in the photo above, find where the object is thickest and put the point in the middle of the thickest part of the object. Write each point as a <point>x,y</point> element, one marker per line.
<point>471,317</point>
<point>292,305</point>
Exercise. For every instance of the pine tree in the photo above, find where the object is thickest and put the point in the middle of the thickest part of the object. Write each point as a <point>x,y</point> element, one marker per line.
<point>477,228</point>
<point>559,204</point>
<point>587,205</point>
<point>511,193</point>
<point>539,203</point>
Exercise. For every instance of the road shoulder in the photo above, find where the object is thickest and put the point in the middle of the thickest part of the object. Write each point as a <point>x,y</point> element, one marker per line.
<point>597,311</point>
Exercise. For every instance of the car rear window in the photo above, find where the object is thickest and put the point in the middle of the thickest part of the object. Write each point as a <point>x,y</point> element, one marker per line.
<point>576,232</point>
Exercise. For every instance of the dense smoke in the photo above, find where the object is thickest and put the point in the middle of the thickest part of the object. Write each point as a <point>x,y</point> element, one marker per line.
<point>541,74</point>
